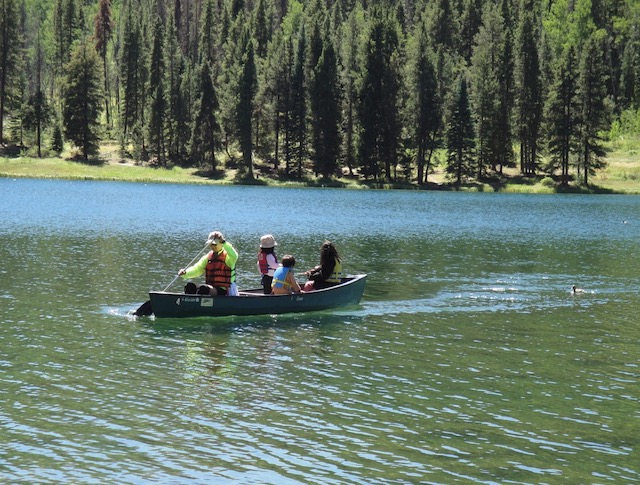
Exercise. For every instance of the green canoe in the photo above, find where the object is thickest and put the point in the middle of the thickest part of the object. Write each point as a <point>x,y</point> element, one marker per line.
<point>254,302</point>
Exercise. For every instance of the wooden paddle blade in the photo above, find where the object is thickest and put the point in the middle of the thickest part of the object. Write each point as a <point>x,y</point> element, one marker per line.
<point>144,310</point>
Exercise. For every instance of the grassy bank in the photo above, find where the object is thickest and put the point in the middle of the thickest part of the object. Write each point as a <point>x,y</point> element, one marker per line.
<point>622,174</point>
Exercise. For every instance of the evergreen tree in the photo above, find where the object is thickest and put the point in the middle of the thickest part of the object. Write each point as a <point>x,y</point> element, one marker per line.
<point>262,29</point>
<point>9,53</point>
<point>348,81</point>
<point>58,29</point>
<point>460,136</point>
<point>158,105</point>
<point>207,35</point>
<point>442,25</point>
<point>529,93</point>
<point>103,32</point>
<point>66,30</point>
<point>83,100</point>
<point>205,130</point>
<point>378,104</point>
<point>593,110</point>
<point>274,90</point>
<point>298,118</point>
<point>228,81</point>
<point>470,22</point>
<point>177,113</point>
<point>424,106</point>
<point>246,95</point>
<point>504,133</point>
<point>324,103</point>
<point>71,27</point>
<point>57,143</point>
<point>133,75</point>
<point>630,71</point>
<point>486,92</point>
<point>36,116</point>
<point>561,115</point>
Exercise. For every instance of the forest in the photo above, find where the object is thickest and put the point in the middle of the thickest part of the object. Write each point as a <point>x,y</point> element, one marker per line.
<point>382,90</point>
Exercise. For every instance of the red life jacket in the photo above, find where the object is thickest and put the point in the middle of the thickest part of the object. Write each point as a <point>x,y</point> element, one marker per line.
<point>217,273</point>
<point>262,262</point>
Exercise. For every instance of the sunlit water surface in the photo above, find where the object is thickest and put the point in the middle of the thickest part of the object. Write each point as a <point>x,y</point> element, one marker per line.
<point>469,360</point>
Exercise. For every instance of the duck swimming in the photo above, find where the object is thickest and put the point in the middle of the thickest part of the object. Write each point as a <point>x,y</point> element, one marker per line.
<point>575,290</point>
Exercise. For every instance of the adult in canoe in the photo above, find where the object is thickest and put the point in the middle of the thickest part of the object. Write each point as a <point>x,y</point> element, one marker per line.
<point>328,272</point>
<point>218,266</point>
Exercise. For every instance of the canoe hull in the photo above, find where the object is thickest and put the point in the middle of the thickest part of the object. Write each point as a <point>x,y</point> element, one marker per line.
<point>253,302</point>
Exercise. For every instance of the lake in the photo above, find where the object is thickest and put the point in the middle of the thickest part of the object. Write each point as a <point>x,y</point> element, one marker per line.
<point>469,359</point>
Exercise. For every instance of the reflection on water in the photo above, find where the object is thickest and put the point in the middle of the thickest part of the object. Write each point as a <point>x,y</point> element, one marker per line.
<point>468,359</point>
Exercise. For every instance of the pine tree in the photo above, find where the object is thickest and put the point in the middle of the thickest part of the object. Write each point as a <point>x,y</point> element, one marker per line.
<point>504,133</point>
<point>378,103</point>
<point>424,106</point>
<point>324,103</point>
<point>177,108</point>
<point>529,93</point>
<point>592,93</point>
<point>262,29</point>
<point>442,25</point>
<point>486,89</point>
<point>348,81</point>
<point>274,91</point>
<point>158,105</point>
<point>103,32</point>
<point>9,52</point>
<point>205,130</point>
<point>630,71</point>
<point>470,22</point>
<point>298,118</point>
<point>66,32</point>
<point>246,95</point>
<point>57,143</point>
<point>83,100</point>
<point>36,116</point>
<point>460,136</point>
<point>561,115</point>
<point>133,75</point>
<point>227,84</point>
<point>207,36</point>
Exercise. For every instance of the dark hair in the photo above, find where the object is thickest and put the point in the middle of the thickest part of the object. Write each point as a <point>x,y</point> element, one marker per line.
<point>328,254</point>
<point>288,261</point>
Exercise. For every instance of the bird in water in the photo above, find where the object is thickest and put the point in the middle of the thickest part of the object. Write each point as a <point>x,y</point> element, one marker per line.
<point>575,290</point>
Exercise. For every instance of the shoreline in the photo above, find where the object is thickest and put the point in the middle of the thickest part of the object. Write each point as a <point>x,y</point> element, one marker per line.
<point>622,176</point>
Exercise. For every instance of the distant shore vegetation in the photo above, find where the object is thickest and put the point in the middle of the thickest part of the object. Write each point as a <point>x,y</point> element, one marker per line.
<point>508,95</point>
<point>621,175</point>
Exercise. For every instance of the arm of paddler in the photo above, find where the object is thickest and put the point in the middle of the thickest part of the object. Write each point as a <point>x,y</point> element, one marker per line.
<point>232,254</point>
<point>197,269</point>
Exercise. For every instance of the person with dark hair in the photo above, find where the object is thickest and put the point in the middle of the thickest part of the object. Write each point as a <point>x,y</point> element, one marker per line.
<point>328,272</point>
<point>267,261</point>
<point>284,282</point>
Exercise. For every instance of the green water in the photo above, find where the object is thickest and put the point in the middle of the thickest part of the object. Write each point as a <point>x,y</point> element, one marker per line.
<point>469,360</point>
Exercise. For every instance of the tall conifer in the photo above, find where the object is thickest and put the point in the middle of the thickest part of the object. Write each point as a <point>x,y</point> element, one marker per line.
<point>460,136</point>
<point>83,100</point>
<point>561,115</point>
<point>592,93</point>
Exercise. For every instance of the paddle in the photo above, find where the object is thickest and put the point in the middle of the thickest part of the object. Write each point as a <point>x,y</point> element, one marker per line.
<point>145,309</point>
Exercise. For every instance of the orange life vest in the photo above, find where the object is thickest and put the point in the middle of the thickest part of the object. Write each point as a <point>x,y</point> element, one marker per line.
<point>217,273</point>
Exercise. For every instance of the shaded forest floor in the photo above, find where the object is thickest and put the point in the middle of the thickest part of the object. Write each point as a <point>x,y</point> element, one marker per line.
<point>622,174</point>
